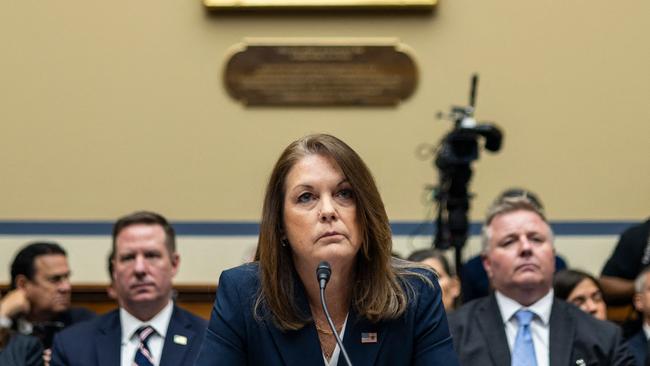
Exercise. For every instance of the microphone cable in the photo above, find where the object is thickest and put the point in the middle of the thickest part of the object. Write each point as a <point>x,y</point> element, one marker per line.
<point>323,273</point>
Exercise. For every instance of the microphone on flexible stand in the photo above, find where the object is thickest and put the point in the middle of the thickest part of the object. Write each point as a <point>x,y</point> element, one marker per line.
<point>323,273</point>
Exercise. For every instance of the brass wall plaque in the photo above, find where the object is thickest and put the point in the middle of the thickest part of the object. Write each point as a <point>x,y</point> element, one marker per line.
<point>320,75</point>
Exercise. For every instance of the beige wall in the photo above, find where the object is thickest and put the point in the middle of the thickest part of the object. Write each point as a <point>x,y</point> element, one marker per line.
<point>112,106</point>
<point>108,107</point>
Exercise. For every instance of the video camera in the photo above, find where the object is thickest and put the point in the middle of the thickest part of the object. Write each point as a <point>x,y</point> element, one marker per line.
<point>456,151</point>
<point>460,146</point>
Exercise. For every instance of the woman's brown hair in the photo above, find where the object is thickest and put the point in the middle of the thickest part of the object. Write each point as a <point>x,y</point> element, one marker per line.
<point>378,291</point>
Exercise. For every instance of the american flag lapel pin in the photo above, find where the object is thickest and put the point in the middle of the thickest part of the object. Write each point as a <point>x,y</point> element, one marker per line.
<point>369,337</point>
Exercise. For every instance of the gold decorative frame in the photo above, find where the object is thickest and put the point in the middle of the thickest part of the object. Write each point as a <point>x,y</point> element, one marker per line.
<point>318,4</point>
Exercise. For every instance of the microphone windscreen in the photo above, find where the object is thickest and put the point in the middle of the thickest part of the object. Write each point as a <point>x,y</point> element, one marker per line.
<point>323,271</point>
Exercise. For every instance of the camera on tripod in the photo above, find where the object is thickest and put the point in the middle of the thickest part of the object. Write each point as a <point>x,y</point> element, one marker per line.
<point>457,150</point>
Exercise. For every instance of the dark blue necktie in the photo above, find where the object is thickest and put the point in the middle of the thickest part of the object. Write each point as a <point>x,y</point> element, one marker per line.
<point>143,355</point>
<point>523,353</point>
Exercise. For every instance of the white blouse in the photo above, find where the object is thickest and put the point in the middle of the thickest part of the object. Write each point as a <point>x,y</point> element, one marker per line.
<point>337,351</point>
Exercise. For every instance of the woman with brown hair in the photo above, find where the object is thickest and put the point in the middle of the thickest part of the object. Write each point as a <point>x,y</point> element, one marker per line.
<point>449,282</point>
<point>322,204</point>
<point>582,290</point>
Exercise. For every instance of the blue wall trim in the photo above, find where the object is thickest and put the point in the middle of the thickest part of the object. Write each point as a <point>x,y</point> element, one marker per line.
<point>247,228</point>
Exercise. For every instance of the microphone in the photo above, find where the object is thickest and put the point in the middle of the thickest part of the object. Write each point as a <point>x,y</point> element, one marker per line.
<point>323,273</point>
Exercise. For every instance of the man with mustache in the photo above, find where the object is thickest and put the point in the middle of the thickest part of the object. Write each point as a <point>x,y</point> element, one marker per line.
<point>148,329</point>
<point>521,323</point>
<point>38,303</point>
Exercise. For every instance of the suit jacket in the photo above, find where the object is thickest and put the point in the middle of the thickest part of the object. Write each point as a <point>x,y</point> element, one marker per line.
<point>480,337</point>
<point>75,315</point>
<point>638,345</point>
<point>236,337</point>
<point>22,350</point>
<point>45,331</point>
<point>98,342</point>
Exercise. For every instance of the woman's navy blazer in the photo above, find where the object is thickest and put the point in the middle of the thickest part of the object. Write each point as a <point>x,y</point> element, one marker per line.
<point>235,337</point>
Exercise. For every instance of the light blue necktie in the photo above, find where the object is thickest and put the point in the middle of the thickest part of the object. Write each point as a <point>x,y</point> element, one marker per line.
<point>523,353</point>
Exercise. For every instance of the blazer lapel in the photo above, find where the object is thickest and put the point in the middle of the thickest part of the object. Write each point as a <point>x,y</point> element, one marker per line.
<point>362,340</point>
<point>109,341</point>
<point>297,347</point>
<point>561,334</point>
<point>177,341</point>
<point>491,325</point>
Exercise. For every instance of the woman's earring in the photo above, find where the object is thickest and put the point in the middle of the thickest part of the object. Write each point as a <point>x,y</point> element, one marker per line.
<point>284,242</point>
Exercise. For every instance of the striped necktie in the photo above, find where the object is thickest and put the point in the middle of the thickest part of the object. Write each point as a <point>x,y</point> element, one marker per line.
<point>523,353</point>
<point>143,355</point>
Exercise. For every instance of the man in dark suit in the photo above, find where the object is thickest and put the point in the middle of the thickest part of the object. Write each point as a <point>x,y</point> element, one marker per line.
<point>522,323</point>
<point>147,329</point>
<point>38,303</point>
<point>20,350</point>
<point>638,343</point>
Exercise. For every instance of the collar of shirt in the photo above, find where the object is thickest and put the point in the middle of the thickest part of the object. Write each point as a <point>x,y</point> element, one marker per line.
<point>541,308</point>
<point>160,322</point>
<point>539,327</point>
<point>24,326</point>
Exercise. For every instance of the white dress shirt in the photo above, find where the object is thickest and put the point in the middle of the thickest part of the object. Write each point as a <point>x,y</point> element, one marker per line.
<point>130,341</point>
<point>337,351</point>
<point>539,327</point>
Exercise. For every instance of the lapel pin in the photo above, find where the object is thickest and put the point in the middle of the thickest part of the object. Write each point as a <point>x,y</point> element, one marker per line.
<point>179,339</point>
<point>369,337</point>
<point>581,362</point>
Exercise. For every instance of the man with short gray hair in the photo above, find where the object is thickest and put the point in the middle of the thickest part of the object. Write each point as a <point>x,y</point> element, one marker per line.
<point>638,343</point>
<point>522,323</point>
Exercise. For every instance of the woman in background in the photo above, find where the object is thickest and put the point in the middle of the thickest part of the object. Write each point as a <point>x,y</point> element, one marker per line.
<point>449,282</point>
<point>322,204</point>
<point>582,290</point>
